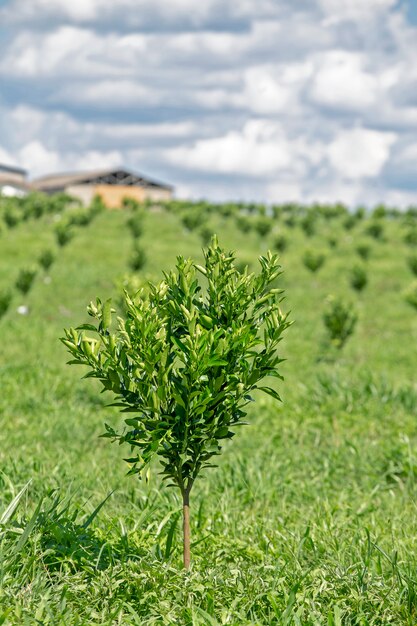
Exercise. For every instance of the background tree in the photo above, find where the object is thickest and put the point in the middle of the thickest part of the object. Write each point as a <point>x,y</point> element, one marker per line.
<point>340,320</point>
<point>185,362</point>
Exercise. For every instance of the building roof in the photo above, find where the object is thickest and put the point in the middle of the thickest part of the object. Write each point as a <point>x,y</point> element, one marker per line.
<point>102,176</point>
<point>11,169</point>
<point>16,184</point>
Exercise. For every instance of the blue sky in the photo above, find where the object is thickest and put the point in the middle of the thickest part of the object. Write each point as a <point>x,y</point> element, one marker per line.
<point>270,100</point>
<point>411,8</point>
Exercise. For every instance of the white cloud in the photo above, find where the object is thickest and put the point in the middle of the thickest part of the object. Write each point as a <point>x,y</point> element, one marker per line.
<point>35,157</point>
<point>6,158</point>
<point>337,10</point>
<point>360,153</point>
<point>264,93</point>
<point>260,149</point>
<point>95,159</point>
<point>107,94</point>
<point>342,82</point>
<point>73,51</point>
<point>139,12</point>
<point>39,159</point>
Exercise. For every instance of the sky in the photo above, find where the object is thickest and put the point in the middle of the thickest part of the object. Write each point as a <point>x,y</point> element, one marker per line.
<point>266,100</point>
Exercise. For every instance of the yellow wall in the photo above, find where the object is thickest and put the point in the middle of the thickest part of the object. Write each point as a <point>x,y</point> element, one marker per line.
<point>112,195</point>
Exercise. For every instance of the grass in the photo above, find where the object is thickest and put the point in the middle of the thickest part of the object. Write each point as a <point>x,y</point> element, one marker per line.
<point>310,518</point>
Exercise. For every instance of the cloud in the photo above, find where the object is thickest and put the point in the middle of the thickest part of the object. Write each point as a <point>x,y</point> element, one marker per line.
<point>360,153</point>
<point>158,14</point>
<point>38,159</point>
<point>108,94</point>
<point>6,157</point>
<point>338,10</point>
<point>35,157</point>
<point>260,149</point>
<point>341,81</point>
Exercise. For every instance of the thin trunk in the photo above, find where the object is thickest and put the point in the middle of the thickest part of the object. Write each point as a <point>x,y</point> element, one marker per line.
<point>186,527</point>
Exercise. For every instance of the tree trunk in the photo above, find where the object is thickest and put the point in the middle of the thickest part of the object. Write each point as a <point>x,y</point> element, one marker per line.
<point>186,527</point>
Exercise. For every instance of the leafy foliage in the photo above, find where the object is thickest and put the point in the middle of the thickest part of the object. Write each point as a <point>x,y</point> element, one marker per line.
<point>364,250</point>
<point>243,223</point>
<point>280,243</point>
<point>358,278</point>
<point>313,260</point>
<point>135,223</point>
<point>410,238</point>
<point>375,229</point>
<point>25,279</point>
<point>5,300</point>
<point>46,258</point>
<point>263,226</point>
<point>63,233</point>
<point>138,258</point>
<point>412,263</point>
<point>184,362</point>
<point>340,321</point>
<point>308,224</point>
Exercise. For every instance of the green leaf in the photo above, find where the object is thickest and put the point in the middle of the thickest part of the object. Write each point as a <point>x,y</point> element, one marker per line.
<point>216,362</point>
<point>87,327</point>
<point>106,314</point>
<point>8,513</point>
<point>270,392</point>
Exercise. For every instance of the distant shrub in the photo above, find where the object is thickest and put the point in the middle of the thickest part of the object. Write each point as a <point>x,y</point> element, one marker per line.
<point>349,222</point>
<point>206,234</point>
<point>228,209</point>
<point>46,259</point>
<point>339,320</point>
<point>263,226</point>
<point>411,295</point>
<point>243,223</point>
<point>332,241</point>
<point>308,224</point>
<point>25,280</point>
<point>135,223</point>
<point>193,219</point>
<point>375,229</point>
<point>63,233</point>
<point>131,203</point>
<point>11,217</point>
<point>358,278</point>
<point>360,213</point>
<point>380,211</point>
<point>290,221</point>
<point>313,260</point>
<point>280,243</point>
<point>276,211</point>
<point>138,258</point>
<point>5,300</point>
<point>79,217</point>
<point>97,205</point>
<point>34,206</point>
<point>364,251</point>
<point>410,238</point>
<point>412,263</point>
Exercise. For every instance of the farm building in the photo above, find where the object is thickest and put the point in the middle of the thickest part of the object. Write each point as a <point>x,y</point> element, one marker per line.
<point>13,181</point>
<point>112,185</point>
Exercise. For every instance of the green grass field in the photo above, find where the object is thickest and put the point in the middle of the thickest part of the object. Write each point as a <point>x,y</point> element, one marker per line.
<point>310,518</point>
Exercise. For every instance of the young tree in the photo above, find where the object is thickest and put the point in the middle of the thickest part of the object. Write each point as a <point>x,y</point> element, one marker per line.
<point>340,320</point>
<point>185,362</point>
